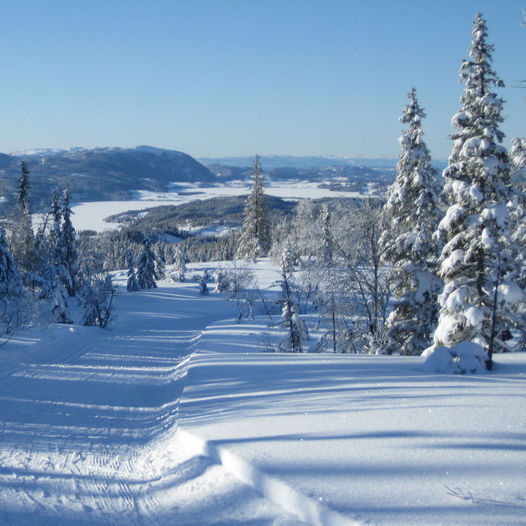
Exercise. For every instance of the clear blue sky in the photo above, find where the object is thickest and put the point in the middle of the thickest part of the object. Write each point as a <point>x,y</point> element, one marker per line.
<point>236,77</point>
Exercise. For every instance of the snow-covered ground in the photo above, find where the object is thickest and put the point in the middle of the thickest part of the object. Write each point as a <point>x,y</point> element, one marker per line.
<point>176,416</point>
<point>90,216</point>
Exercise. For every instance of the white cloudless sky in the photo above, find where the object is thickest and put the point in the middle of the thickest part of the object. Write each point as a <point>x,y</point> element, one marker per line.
<point>236,77</point>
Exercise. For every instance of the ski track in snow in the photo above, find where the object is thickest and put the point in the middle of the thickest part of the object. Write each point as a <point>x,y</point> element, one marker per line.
<point>88,432</point>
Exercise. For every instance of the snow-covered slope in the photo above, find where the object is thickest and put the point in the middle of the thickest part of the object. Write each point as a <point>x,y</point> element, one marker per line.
<point>88,424</point>
<point>89,419</point>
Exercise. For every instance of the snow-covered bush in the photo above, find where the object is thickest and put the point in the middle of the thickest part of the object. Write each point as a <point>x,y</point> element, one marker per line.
<point>97,302</point>
<point>290,320</point>
<point>464,358</point>
<point>239,283</point>
<point>221,279</point>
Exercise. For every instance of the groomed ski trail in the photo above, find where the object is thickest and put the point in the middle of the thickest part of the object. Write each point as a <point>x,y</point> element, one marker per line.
<point>88,427</point>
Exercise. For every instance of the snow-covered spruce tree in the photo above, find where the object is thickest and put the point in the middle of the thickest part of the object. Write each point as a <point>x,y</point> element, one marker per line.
<point>254,241</point>
<point>10,289</point>
<point>326,248</point>
<point>411,215</point>
<point>517,208</point>
<point>517,205</point>
<point>22,236</point>
<point>160,261</point>
<point>287,259</point>
<point>23,188</point>
<point>146,275</point>
<point>476,258</point>
<point>57,273</point>
<point>70,250</point>
<point>179,264</point>
<point>132,285</point>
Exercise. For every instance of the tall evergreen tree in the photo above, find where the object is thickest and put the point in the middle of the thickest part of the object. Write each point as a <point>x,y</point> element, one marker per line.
<point>517,208</point>
<point>475,260</point>
<point>255,236</point>
<point>9,275</point>
<point>132,284</point>
<point>146,275</point>
<point>22,237</point>
<point>10,289</point>
<point>326,248</point>
<point>69,248</point>
<point>518,203</point>
<point>23,188</point>
<point>57,274</point>
<point>179,264</point>
<point>160,261</point>
<point>411,215</point>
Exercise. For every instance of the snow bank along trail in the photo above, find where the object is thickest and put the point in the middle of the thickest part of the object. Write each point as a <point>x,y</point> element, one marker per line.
<point>374,439</point>
<point>88,424</point>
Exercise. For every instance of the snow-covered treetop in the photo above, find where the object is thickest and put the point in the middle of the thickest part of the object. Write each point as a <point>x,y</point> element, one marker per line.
<point>477,158</point>
<point>481,112</point>
<point>414,193</point>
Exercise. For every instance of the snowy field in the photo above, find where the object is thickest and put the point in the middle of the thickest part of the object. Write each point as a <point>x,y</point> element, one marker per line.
<point>90,216</point>
<point>176,416</point>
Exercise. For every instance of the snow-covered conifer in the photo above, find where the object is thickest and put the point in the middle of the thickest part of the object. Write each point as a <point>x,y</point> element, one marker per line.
<point>57,274</point>
<point>22,236</point>
<point>56,245</point>
<point>9,276</point>
<point>59,301</point>
<point>23,188</point>
<point>326,248</point>
<point>476,259</point>
<point>287,260</point>
<point>10,288</point>
<point>254,241</point>
<point>518,203</point>
<point>518,160</point>
<point>146,275</point>
<point>69,248</point>
<point>132,285</point>
<point>160,261</point>
<point>179,264</point>
<point>411,215</point>
<point>517,208</point>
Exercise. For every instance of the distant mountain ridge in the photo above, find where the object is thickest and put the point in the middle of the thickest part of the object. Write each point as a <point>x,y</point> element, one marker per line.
<point>300,162</point>
<point>101,173</point>
<point>271,162</point>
